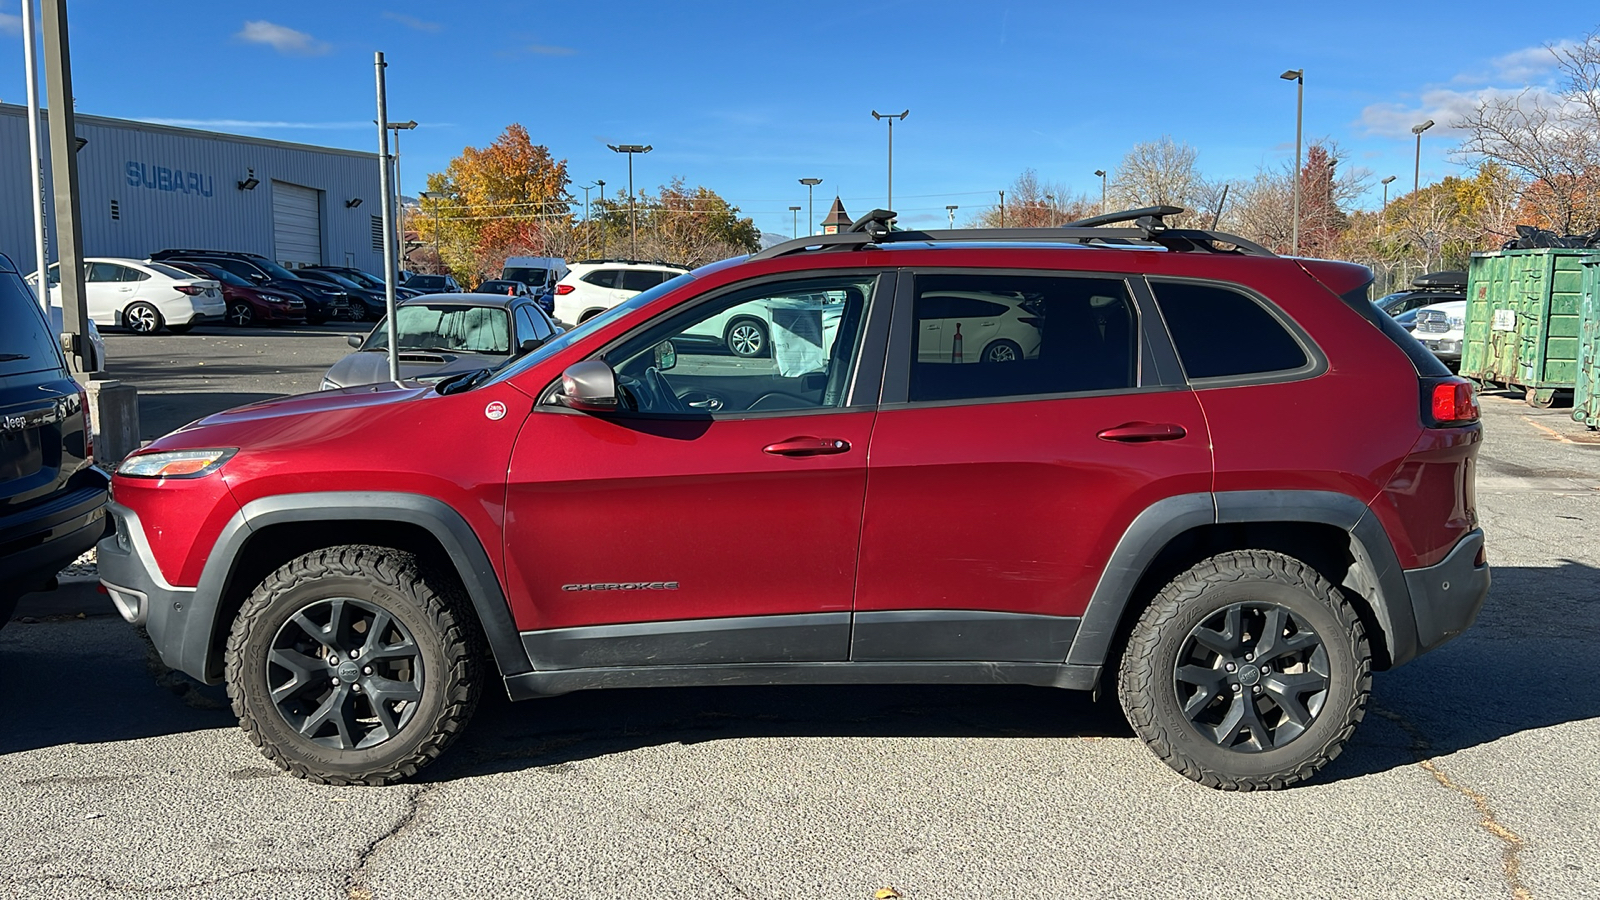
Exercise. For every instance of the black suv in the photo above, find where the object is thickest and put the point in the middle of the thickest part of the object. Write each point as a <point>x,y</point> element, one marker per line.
<point>52,498</point>
<point>323,301</point>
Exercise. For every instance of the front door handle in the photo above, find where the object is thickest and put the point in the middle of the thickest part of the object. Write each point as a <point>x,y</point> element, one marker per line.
<point>1141,432</point>
<point>807,446</point>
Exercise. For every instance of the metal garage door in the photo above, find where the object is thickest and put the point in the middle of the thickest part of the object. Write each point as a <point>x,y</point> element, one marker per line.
<point>297,224</point>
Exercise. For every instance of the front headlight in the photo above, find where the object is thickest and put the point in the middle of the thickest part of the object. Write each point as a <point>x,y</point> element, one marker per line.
<point>176,463</point>
<point>1456,322</point>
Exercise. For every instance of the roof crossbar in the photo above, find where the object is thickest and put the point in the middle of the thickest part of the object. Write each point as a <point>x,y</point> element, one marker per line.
<point>1148,229</point>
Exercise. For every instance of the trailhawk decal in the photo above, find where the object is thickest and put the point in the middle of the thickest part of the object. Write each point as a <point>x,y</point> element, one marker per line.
<point>623,586</point>
<point>495,411</point>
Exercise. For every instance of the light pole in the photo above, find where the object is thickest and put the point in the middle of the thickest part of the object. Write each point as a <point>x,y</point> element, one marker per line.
<point>1050,201</point>
<point>601,183</point>
<point>633,215</point>
<point>1102,174</point>
<point>586,226</point>
<point>891,117</point>
<point>435,196</point>
<point>1385,212</point>
<point>399,193</point>
<point>1298,76</point>
<point>952,211</point>
<point>811,210</point>
<point>794,221</point>
<point>1416,174</point>
<point>1002,209</point>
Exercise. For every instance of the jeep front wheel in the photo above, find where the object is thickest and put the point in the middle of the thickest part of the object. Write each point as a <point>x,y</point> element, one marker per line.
<point>1250,671</point>
<point>350,665</point>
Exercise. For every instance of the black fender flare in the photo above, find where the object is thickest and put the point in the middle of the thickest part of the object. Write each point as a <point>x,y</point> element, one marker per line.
<point>198,652</point>
<point>1375,571</point>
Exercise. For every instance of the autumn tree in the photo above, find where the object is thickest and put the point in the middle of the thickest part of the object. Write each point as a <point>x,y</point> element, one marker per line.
<point>1164,172</point>
<point>677,224</point>
<point>1549,138</point>
<point>1033,203</point>
<point>509,198</point>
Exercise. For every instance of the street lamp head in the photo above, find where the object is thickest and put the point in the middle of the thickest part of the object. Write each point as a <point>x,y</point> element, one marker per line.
<point>794,209</point>
<point>631,148</point>
<point>600,182</point>
<point>811,182</point>
<point>1387,180</point>
<point>403,126</point>
<point>1294,75</point>
<point>1418,129</point>
<point>952,207</point>
<point>1100,173</point>
<point>900,115</point>
<point>431,195</point>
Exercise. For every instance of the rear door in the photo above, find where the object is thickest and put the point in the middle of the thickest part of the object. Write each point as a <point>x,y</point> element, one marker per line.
<point>996,491</point>
<point>106,293</point>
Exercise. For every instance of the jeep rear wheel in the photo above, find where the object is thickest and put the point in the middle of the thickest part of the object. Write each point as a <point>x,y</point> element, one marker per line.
<point>1249,671</point>
<point>351,665</point>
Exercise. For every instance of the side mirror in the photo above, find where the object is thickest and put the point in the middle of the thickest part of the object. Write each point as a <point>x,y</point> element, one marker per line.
<point>354,340</point>
<point>666,355</point>
<point>590,385</point>
<point>529,345</point>
<point>258,278</point>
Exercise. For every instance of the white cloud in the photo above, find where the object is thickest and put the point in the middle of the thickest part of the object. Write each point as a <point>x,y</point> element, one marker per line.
<point>1445,107</point>
<point>10,24</point>
<point>281,38</point>
<point>412,21</point>
<point>255,124</point>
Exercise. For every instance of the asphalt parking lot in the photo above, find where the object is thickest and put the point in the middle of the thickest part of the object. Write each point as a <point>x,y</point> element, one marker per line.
<point>1476,773</point>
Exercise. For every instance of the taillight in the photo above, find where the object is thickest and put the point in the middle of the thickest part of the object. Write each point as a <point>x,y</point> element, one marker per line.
<point>193,290</point>
<point>563,289</point>
<point>88,425</point>
<point>1452,402</point>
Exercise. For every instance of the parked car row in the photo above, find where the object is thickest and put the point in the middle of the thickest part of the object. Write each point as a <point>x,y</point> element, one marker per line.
<point>1434,310</point>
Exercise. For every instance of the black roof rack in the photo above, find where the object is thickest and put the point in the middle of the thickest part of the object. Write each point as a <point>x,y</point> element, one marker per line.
<point>618,259</point>
<point>1148,229</point>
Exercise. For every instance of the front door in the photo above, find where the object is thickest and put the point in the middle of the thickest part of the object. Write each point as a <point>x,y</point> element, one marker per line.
<point>998,489</point>
<point>717,519</point>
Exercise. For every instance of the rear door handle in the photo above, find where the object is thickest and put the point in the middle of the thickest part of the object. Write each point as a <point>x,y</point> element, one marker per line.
<point>807,446</point>
<point>1141,432</point>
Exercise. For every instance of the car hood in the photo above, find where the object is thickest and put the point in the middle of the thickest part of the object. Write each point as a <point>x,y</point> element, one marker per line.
<point>372,367</point>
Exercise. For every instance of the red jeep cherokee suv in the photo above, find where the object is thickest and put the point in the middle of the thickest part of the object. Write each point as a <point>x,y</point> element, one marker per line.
<point>1115,453</point>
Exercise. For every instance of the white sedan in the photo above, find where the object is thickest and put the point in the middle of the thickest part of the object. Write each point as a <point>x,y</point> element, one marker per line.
<point>142,296</point>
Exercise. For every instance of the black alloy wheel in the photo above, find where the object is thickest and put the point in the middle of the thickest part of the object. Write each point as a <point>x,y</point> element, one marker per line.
<point>241,314</point>
<point>1252,677</point>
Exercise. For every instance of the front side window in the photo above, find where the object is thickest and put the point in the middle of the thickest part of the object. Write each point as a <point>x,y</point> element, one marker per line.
<point>1222,333</point>
<point>447,328</point>
<point>775,347</point>
<point>998,335</point>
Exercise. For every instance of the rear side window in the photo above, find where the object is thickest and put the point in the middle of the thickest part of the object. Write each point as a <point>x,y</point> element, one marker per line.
<point>1222,333</point>
<point>999,336</point>
<point>602,277</point>
<point>26,344</point>
<point>642,279</point>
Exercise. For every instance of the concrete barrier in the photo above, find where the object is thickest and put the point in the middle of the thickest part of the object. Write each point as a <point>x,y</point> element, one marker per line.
<point>115,407</point>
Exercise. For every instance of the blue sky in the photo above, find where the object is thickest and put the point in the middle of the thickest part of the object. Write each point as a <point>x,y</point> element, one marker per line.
<point>748,97</point>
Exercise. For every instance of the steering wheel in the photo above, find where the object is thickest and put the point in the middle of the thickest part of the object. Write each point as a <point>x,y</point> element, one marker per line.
<point>652,393</point>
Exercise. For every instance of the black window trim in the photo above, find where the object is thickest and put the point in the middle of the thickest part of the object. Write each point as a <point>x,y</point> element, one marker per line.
<point>866,370</point>
<point>1316,362</point>
<point>1156,370</point>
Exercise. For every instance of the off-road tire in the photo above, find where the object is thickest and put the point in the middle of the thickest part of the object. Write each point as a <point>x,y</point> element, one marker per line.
<point>1147,689</point>
<point>430,606</point>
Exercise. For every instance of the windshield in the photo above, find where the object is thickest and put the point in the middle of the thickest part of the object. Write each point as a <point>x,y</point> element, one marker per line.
<point>275,270</point>
<point>169,271</point>
<point>222,275</point>
<point>446,327</point>
<point>340,280</point>
<point>562,342</point>
<point>526,276</point>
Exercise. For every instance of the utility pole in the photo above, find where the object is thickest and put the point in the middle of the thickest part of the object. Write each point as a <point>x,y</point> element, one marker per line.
<point>794,221</point>
<point>952,211</point>
<point>633,215</point>
<point>1298,76</point>
<point>35,164</point>
<point>811,209</point>
<point>1385,213</point>
<point>587,226</point>
<point>891,117</point>
<point>1002,209</point>
<point>1102,174</point>
<point>64,180</point>
<point>601,183</point>
<point>391,263</point>
<point>1416,174</point>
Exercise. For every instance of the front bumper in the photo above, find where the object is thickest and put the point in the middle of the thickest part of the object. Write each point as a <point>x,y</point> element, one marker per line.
<point>1445,349</point>
<point>130,575</point>
<point>1446,596</point>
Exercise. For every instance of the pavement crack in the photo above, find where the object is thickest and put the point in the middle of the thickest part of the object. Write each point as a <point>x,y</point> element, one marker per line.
<point>355,882</point>
<point>1512,843</point>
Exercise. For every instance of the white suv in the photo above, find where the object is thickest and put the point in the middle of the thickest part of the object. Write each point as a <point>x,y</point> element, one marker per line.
<point>142,296</point>
<point>594,285</point>
<point>1441,328</point>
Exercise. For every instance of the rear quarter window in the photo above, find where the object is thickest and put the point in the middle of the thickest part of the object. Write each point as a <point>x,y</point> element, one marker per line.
<point>1223,333</point>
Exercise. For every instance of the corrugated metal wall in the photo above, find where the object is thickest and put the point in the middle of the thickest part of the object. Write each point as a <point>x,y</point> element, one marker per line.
<point>174,187</point>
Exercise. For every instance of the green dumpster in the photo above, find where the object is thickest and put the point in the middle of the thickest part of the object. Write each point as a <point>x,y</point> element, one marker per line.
<point>1586,391</point>
<point>1522,320</point>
